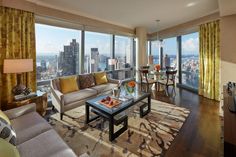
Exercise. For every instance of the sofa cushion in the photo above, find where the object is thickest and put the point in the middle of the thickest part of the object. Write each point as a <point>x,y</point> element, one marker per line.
<point>79,95</point>
<point>29,126</point>
<point>100,78</point>
<point>104,87</point>
<point>86,81</point>
<point>47,144</point>
<point>68,84</point>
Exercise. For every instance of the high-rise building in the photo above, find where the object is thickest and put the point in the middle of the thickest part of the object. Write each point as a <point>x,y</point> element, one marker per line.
<point>43,65</point>
<point>166,61</point>
<point>94,61</point>
<point>69,59</point>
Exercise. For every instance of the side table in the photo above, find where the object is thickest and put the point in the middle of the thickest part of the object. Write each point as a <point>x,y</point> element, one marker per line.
<point>41,101</point>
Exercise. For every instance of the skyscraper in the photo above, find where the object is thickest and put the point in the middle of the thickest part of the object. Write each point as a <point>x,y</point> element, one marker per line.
<point>69,59</point>
<point>43,65</point>
<point>94,60</point>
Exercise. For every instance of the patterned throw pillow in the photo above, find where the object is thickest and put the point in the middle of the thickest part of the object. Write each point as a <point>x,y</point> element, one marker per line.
<point>6,131</point>
<point>86,81</point>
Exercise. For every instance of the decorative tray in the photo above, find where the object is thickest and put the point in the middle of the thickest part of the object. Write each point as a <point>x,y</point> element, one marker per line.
<point>109,102</point>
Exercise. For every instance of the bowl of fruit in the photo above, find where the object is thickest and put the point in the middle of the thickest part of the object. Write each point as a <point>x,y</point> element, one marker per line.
<point>109,102</point>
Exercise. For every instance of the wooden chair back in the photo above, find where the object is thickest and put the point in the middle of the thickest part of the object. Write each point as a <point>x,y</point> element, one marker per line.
<point>143,73</point>
<point>170,74</point>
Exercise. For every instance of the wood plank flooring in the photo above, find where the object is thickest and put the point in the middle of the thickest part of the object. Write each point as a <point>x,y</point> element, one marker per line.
<point>200,135</point>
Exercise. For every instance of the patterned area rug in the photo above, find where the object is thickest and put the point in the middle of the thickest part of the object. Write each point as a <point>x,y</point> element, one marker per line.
<point>148,136</point>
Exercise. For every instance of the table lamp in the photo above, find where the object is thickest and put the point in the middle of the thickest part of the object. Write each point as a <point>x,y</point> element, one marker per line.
<point>17,66</point>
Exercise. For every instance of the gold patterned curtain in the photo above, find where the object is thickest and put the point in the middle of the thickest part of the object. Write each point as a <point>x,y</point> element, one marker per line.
<point>17,41</point>
<point>209,60</point>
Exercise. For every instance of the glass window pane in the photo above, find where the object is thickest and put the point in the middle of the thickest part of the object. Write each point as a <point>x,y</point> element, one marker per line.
<point>97,51</point>
<point>123,52</point>
<point>170,52</point>
<point>190,62</point>
<point>57,51</point>
<point>155,51</point>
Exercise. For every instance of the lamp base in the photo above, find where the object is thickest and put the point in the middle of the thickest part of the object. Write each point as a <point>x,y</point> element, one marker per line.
<point>18,89</point>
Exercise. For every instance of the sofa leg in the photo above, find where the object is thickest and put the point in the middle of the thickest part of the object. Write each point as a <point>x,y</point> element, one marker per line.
<point>61,114</point>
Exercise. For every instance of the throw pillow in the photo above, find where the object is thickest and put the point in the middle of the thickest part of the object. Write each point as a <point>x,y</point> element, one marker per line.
<point>86,81</point>
<point>100,78</point>
<point>3,116</point>
<point>7,132</point>
<point>68,84</point>
<point>8,150</point>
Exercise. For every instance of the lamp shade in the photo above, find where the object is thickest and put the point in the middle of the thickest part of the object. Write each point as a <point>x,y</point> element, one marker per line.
<point>111,61</point>
<point>17,65</point>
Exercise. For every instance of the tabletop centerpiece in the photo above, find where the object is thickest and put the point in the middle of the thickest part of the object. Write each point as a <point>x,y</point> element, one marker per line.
<point>157,67</point>
<point>130,87</point>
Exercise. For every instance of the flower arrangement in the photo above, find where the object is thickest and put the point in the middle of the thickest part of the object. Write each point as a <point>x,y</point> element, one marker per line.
<point>157,67</point>
<point>130,86</point>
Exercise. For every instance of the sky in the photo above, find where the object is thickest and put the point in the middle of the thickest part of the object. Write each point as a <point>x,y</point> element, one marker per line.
<point>190,45</point>
<point>50,41</point>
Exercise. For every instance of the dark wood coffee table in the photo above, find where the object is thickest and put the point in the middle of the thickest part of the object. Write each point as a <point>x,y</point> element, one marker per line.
<point>116,115</point>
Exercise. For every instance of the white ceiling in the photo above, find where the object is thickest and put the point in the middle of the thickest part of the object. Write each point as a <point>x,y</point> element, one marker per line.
<point>133,13</point>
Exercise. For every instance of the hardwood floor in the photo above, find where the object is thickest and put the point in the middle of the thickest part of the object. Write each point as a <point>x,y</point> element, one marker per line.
<point>200,136</point>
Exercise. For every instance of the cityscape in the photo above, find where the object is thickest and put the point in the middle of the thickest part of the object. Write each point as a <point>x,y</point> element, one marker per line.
<point>67,62</point>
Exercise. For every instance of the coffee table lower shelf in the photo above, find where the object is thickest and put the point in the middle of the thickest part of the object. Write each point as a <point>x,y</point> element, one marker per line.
<point>113,119</point>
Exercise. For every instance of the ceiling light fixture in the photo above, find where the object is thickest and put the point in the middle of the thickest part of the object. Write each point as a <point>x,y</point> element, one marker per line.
<point>191,4</point>
<point>158,40</point>
<point>157,21</point>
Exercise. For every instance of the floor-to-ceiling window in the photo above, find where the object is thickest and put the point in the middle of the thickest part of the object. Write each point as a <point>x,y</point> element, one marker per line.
<point>98,49</point>
<point>189,60</point>
<point>57,51</point>
<point>123,55</point>
<point>155,51</point>
<point>170,51</point>
<point>123,52</point>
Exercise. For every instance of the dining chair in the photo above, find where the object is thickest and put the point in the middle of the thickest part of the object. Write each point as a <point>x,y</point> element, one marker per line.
<point>168,81</point>
<point>145,80</point>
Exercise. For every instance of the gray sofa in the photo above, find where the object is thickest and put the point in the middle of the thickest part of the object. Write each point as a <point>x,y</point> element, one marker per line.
<point>65,102</point>
<point>35,137</point>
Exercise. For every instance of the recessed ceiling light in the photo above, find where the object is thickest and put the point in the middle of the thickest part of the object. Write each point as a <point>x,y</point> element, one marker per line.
<point>191,4</point>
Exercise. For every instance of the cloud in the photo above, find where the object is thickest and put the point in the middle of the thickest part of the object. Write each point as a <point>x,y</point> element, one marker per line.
<point>191,45</point>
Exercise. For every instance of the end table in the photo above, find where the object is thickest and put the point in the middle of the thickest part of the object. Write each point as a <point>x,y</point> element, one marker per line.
<point>41,101</point>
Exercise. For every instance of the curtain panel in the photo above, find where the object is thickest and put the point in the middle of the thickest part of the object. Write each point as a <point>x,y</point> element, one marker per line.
<point>209,60</point>
<point>17,41</point>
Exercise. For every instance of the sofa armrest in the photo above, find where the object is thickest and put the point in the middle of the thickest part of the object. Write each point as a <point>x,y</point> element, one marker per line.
<point>57,94</point>
<point>115,81</point>
<point>19,111</point>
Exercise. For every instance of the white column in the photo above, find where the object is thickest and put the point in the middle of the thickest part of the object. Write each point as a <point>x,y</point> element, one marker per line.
<point>141,54</point>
